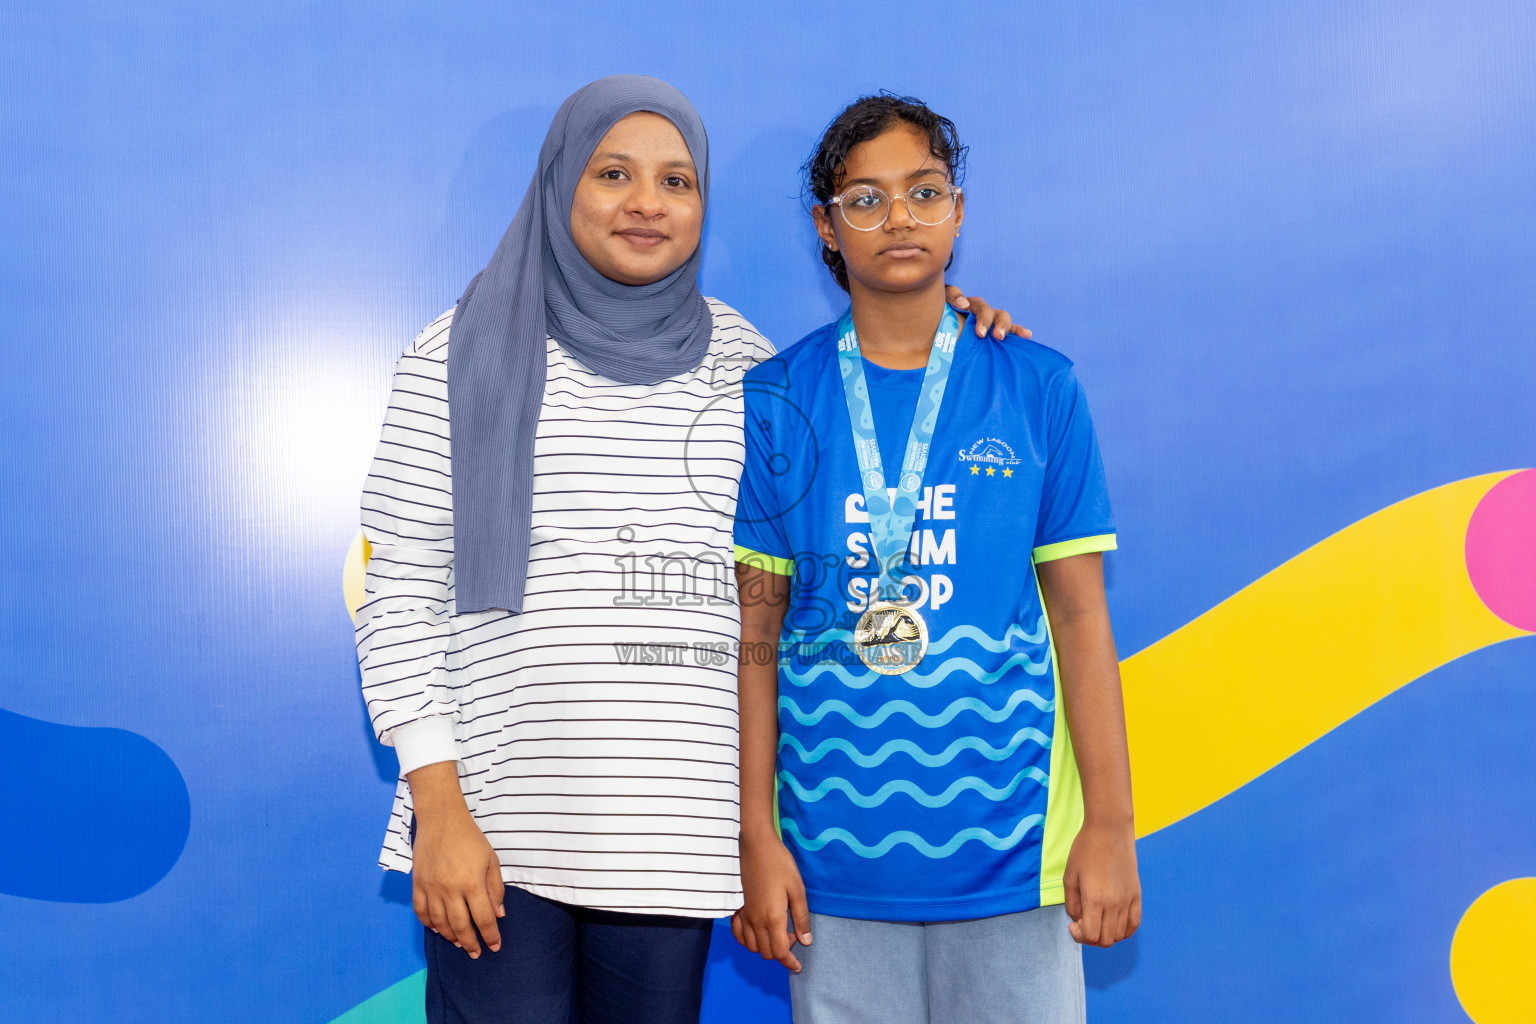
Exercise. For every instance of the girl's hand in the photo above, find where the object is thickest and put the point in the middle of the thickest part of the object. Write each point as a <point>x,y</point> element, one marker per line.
<point>775,896</point>
<point>983,316</point>
<point>1102,889</point>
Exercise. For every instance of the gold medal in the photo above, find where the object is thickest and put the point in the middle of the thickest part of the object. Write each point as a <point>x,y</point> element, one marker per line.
<point>890,638</point>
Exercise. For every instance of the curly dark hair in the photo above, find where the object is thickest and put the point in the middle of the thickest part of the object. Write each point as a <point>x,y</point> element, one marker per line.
<point>866,118</point>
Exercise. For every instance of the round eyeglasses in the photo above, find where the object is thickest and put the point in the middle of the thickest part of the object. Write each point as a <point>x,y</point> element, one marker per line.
<point>866,207</point>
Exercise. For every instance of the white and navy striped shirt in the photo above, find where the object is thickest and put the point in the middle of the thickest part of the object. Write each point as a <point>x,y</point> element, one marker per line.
<point>596,732</point>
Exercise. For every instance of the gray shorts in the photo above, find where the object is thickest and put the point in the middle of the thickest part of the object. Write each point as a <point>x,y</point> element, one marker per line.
<point>1011,969</point>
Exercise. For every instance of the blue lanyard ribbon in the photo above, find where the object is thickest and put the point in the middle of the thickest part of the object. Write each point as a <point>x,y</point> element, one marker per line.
<point>891,512</point>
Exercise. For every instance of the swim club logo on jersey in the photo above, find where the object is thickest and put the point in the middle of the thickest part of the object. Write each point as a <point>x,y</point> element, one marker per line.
<point>991,454</point>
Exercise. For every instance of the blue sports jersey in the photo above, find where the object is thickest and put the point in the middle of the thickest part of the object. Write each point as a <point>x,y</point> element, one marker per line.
<point>950,791</point>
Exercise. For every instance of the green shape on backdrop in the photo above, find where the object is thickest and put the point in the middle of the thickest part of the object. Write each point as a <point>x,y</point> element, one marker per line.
<point>404,1002</point>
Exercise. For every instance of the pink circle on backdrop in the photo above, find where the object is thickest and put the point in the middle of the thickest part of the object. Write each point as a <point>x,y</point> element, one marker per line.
<point>1501,549</point>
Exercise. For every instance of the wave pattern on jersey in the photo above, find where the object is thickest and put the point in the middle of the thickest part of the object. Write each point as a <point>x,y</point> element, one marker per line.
<point>910,788</point>
<point>912,711</point>
<point>912,839</point>
<point>1022,649</point>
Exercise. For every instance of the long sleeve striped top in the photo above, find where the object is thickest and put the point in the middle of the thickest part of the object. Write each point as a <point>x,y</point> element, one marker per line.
<point>595,733</point>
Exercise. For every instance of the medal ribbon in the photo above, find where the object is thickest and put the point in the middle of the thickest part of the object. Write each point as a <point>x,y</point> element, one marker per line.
<point>892,511</point>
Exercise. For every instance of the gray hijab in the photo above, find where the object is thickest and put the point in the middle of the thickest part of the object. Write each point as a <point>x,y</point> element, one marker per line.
<point>538,284</point>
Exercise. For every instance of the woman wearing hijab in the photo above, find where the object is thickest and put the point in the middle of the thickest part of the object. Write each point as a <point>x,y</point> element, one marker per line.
<point>549,634</point>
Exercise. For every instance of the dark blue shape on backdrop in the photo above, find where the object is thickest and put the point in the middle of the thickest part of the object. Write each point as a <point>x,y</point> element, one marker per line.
<point>95,815</point>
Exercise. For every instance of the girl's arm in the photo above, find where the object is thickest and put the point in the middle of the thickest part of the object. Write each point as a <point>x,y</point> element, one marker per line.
<point>769,879</point>
<point>1103,892</point>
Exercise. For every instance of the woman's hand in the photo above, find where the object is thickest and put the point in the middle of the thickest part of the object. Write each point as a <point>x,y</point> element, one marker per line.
<point>456,882</point>
<point>983,316</point>
<point>1102,889</point>
<point>775,896</point>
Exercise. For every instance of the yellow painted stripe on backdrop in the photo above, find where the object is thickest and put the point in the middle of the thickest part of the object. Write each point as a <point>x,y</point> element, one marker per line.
<point>1304,648</point>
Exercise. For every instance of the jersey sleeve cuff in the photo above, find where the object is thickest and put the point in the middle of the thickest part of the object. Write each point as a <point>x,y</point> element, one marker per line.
<point>1068,548</point>
<point>423,742</point>
<point>768,563</point>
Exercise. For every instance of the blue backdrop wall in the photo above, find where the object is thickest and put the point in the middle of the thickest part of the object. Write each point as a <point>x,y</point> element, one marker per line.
<point>1290,247</point>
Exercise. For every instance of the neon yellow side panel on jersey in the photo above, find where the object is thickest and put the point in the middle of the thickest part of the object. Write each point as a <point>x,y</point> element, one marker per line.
<point>1064,798</point>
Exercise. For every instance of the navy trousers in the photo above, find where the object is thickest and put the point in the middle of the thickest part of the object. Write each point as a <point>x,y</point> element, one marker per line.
<point>560,964</point>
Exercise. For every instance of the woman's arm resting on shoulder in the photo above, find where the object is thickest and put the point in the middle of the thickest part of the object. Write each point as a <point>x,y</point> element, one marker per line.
<point>771,884</point>
<point>1103,892</point>
<point>984,316</point>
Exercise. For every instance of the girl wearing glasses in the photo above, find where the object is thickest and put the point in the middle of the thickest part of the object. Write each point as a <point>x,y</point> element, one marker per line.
<point>549,634</point>
<point>921,522</point>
